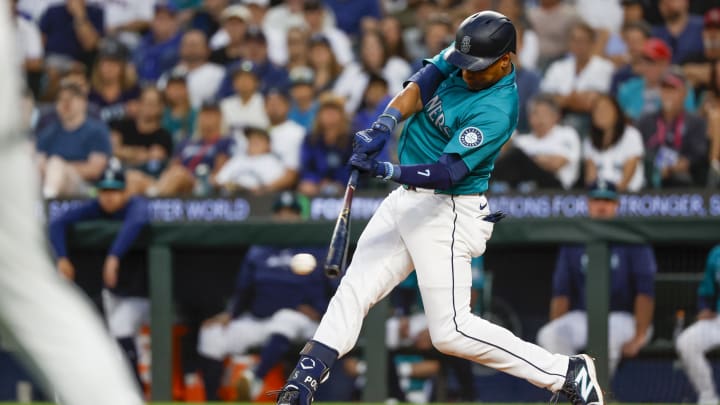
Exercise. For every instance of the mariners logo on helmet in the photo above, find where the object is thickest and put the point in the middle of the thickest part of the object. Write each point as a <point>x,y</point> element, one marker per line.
<point>465,44</point>
<point>471,137</point>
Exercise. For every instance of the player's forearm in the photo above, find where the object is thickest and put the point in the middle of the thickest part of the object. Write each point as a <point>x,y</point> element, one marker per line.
<point>407,101</point>
<point>559,306</point>
<point>644,308</point>
<point>134,223</point>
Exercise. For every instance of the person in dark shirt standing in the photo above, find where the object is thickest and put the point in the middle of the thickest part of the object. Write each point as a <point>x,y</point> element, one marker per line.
<point>125,301</point>
<point>142,143</point>
<point>676,140</point>
<point>71,32</point>
<point>632,291</point>
<point>235,22</point>
<point>159,51</point>
<point>275,302</point>
<point>681,30</point>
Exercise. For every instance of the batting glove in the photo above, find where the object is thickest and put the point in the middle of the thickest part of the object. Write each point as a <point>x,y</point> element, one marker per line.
<point>371,141</point>
<point>365,164</point>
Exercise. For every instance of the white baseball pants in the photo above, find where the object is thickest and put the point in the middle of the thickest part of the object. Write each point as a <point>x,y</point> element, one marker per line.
<point>568,334</point>
<point>217,341</point>
<point>691,346</point>
<point>45,318</point>
<point>437,235</point>
<point>125,315</point>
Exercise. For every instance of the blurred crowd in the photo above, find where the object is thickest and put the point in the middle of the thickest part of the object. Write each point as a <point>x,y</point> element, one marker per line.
<point>259,96</point>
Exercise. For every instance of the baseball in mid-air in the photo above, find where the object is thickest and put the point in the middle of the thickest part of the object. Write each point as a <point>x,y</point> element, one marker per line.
<point>303,263</point>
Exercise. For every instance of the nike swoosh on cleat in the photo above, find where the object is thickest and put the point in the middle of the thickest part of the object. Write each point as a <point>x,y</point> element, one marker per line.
<point>425,173</point>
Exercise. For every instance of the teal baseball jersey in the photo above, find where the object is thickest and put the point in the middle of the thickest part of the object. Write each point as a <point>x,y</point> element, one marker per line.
<point>474,124</point>
<point>708,289</point>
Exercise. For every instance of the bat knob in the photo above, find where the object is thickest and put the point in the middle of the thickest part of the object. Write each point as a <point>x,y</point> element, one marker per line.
<point>332,271</point>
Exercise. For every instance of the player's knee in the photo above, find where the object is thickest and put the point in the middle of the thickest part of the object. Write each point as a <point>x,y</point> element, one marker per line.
<point>446,342</point>
<point>546,336</point>
<point>210,342</point>
<point>685,343</point>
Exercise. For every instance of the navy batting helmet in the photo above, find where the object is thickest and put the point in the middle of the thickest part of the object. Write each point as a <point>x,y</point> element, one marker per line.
<point>481,40</point>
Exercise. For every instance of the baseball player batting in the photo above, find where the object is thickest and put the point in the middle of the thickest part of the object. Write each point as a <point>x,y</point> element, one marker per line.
<point>461,109</point>
<point>43,317</point>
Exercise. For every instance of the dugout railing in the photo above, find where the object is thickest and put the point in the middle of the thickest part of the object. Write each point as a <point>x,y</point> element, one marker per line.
<point>162,239</point>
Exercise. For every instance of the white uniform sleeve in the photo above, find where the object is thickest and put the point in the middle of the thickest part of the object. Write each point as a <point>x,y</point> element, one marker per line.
<point>33,46</point>
<point>553,80</point>
<point>632,143</point>
<point>588,150</point>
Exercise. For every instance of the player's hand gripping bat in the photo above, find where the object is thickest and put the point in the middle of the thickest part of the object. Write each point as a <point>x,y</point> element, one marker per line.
<point>337,254</point>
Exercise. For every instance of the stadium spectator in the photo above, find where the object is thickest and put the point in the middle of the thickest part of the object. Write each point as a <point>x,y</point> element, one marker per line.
<point>142,143</point>
<point>256,51</point>
<point>681,30</point>
<point>234,24</point>
<point>350,14</point>
<point>246,107</point>
<point>375,98</point>
<point>548,157</point>
<point>71,32</point>
<point>29,50</point>
<point>641,95</point>
<point>703,335</point>
<point>437,34</point>
<point>127,20</point>
<point>616,47</point>
<point>528,82</point>
<point>298,48</point>
<point>552,20</point>
<point>197,160</point>
<point>270,299</point>
<point>208,17</point>
<point>675,139</point>
<point>277,21</point>
<point>578,79</point>
<point>326,150</point>
<point>158,51</point>
<point>113,82</point>
<point>604,16</point>
<point>711,113</point>
<point>614,150</point>
<point>179,116</point>
<point>515,11</point>
<point>392,31</point>
<point>74,149</point>
<point>286,137</point>
<point>374,59</point>
<point>698,69</point>
<point>203,78</point>
<point>629,62</point>
<point>314,16</point>
<point>303,105</point>
<point>326,68</point>
<point>256,169</point>
<point>125,303</point>
<point>632,291</point>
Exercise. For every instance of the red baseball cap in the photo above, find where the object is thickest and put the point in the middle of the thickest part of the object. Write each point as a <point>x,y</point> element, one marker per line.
<point>712,18</point>
<point>656,50</point>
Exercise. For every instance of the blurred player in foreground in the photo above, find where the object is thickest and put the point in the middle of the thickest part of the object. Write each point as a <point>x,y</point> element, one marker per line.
<point>703,335</point>
<point>632,293</point>
<point>461,109</point>
<point>125,299</point>
<point>280,295</point>
<point>45,319</point>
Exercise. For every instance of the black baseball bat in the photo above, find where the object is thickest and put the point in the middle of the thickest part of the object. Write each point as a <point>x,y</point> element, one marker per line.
<point>340,241</point>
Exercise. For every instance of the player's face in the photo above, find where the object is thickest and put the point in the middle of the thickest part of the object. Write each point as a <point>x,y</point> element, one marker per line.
<point>602,209</point>
<point>112,200</point>
<point>482,79</point>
